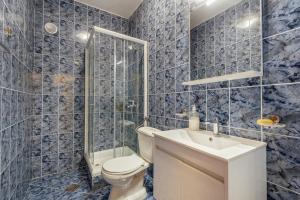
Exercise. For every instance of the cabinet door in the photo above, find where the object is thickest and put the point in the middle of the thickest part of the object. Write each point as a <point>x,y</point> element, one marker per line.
<point>175,180</point>
<point>166,177</point>
<point>196,185</point>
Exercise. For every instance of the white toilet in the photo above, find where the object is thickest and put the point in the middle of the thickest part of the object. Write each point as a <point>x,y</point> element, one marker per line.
<point>126,174</point>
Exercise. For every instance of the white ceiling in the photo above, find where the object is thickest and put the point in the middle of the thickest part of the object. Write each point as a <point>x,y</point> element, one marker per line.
<point>123,8</point>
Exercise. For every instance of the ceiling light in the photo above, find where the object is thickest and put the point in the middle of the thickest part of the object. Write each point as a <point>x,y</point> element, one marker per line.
<point>209,2</point>
<point>247,22</point>
<point>83,36</point>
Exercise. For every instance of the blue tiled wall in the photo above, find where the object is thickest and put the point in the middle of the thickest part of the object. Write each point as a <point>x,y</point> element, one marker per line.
<point>165,25</point>
<point>239,103</point>
<point>16,33</point>
<point>57,140</point>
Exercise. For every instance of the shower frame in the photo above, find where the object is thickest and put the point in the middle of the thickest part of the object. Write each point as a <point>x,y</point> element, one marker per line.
<point>123,37</point>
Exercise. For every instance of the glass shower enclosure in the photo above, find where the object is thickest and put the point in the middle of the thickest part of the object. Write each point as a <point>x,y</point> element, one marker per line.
<point>115,96</point>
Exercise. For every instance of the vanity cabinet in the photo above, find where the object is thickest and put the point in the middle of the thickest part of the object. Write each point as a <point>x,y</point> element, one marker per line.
<point>181,173</point>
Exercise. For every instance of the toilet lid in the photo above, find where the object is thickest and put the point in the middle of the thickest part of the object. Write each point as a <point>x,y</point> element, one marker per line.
<point>123,165</point>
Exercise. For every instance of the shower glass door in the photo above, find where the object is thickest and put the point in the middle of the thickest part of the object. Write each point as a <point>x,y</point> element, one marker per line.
<point>115,83</point>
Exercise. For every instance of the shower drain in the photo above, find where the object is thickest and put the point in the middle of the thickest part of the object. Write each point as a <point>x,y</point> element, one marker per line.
<point>72,187</point>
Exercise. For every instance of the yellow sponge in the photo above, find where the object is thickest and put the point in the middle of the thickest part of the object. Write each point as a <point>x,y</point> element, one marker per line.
<point>265,122</point>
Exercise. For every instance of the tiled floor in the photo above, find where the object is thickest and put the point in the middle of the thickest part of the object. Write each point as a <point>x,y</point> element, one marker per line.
<point>53,188</point>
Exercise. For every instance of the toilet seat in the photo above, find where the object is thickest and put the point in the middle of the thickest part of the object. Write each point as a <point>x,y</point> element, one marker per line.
<point>123,165</point>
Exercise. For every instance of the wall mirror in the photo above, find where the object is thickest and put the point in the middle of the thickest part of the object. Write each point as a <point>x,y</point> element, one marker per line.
<point>226,41</point>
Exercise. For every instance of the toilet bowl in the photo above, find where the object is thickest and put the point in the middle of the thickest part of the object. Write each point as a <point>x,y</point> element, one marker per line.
<point>126,174</point>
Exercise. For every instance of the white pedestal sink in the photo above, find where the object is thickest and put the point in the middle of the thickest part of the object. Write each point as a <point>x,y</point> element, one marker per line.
<point>196,165</point>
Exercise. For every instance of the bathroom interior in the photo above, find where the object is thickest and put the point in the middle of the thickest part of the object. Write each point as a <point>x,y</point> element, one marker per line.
<point>150,99</point>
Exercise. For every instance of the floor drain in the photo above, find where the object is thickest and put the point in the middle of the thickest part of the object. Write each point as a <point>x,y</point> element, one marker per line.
<point>72,187</point>
<point>97,165</point>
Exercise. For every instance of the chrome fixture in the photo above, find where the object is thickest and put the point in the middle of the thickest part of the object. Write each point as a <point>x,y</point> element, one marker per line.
<point>215,127</point>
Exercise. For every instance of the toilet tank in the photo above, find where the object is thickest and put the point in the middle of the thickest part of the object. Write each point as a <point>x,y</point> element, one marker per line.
<point>146,142</point>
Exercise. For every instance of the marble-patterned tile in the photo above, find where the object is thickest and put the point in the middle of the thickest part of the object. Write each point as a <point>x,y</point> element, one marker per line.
<point>50,104</point>
<point>242,13</point>
<point>182,51</point>
<point>13,176</point>
<point>230,28</point>
<point>281,58</point>
<point>198,98</point>
<point>78,140</point>
<point>283,100</point>
<point>93,17</point>
<point>79,86</point>
<point>276,192</point>
<point>116,23</point>
<point>66,123</point>
<point>51,7</point>
<point>159,62</point>
<point>36,125</point>
<point>245,107</point>
<point>159,105</point>
<point>49,164</point>
<point>6,108</point>
<point>36,167</point>
<point>67,10</point>
<point>243,56</point>
<point>50,65</point>
<point>105,19</point>
<point>50,85</point>
<point>51,45</point>
<point>283,161</point>
<point>181,75</point>
<point>65,160</point>
<point>280,16</point>
<point>255,12</point>
<point>218,106</point>
<point>5,148</point>
<point>78,122</point>
<point>50,124</point>
<point>66,29</point>
<point>182,23</point>
<point>182,103</point>
<point>5,183</point>
<point>170,56</point>
<point>6,70</point>
<point>66,48</point>
<point>36,146</point>
<point>170,80</point>
<point>160,82</point>
<point>80,14</point>
<point>78,104</point>
<point>231,59</point>
<point>66,66</point>
<point>66,104</point>
<point>49,144</point>
<point>65,142</point>
<point>170,105</point>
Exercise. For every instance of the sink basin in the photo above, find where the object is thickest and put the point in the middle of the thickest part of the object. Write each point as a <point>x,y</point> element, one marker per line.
<point>204,138</point>
<point>225,147</point>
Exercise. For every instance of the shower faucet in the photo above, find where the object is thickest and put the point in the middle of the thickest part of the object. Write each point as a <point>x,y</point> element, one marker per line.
<point>131,104</point>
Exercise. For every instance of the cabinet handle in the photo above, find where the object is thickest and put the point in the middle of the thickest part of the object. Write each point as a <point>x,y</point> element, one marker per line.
<point>193,165</point>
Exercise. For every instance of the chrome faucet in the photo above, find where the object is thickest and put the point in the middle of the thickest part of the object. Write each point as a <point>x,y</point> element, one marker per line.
<point>215,127</point>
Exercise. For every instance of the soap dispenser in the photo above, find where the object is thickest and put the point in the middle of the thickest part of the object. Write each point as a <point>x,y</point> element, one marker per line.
<point>194,119</point>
